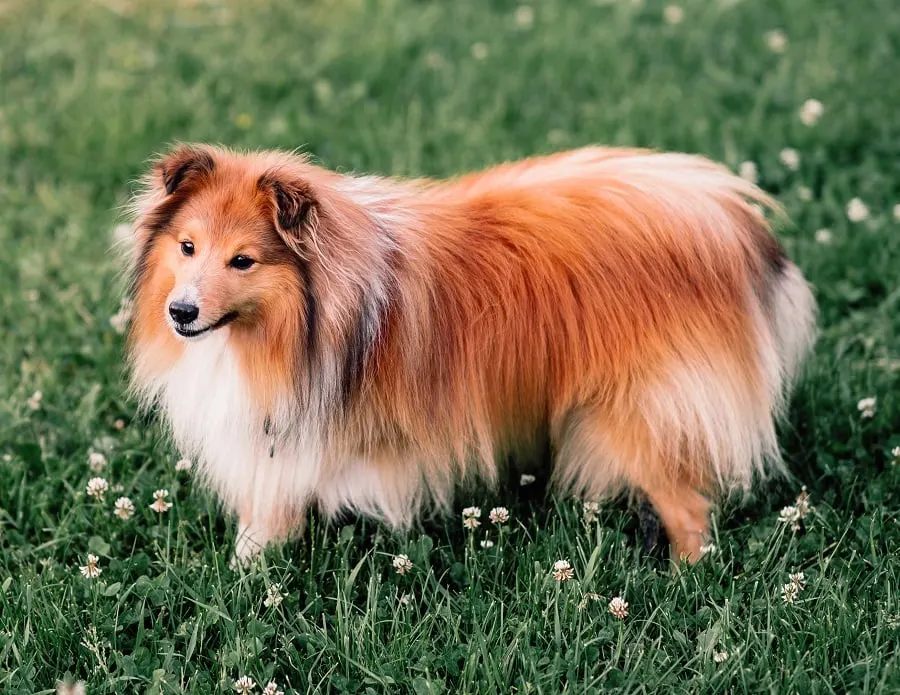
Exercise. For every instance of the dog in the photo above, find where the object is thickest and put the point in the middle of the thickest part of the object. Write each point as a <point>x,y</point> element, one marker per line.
<point>368,344</point>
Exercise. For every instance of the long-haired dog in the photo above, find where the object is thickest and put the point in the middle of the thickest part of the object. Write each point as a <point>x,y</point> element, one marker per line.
<point>367,344</point>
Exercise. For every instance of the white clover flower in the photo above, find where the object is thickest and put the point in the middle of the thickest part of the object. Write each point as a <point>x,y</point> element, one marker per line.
<point>896,212</point>
<point>857,210</point>
<point>402,564</point>
<point>590,511</point>
<point>245,685</point>
<point>91,570</point>
<point>673,14</point>
<point>789,592</point>
<point>867,406</point>
<point>526,479</point>
<point>97,487</point>
<point>748,171</point>
<point>34,402</point>
<point>811,111</point>
<point>183,465</point>
<point>124,508</point>
<point>119,424</point>
<point>823,236</point>
<point>804,193</point>
<point>792,589</point>
<point>274,597</point>
<point>470,516</point>
<point>160,504</point>
<point>790,515</point>
<point>479,50</point>
<point>719,657</point>
<point>776,40</point>
<point>272,689</point>
<point>487,543</point>
<point>499,515</point>
<point>524,17</point>
<point>562,571</point>
<point>619,608</point>
<point>76,688</point>
<point>895,452</point>
<point>790,158</point>
<point>96,461</point>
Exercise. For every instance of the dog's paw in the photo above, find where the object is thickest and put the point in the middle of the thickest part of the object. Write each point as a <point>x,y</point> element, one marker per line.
<point>247,549</point>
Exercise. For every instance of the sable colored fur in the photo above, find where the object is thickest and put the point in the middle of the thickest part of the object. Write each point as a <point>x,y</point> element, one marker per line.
<point>390,339</point>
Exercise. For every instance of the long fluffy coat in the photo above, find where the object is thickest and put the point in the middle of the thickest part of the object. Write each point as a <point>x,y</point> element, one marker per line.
<point>398,337</point>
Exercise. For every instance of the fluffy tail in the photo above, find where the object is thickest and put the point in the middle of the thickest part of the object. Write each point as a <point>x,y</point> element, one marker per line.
<point>793,322</point>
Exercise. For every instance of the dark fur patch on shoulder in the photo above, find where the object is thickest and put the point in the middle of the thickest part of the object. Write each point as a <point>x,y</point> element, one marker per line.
<point>368,329</point>
<point>311,305</point>
<point>361,340</point>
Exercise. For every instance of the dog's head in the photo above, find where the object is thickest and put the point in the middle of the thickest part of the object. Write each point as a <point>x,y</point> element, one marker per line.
<point>220,241</point>
<point>280,256</point>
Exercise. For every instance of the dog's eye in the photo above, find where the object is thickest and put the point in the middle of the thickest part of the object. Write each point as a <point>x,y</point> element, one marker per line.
<point>187,248</point>
<point>241,262</point>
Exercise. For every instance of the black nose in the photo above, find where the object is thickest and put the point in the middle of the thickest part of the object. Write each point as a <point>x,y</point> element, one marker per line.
<point>183,312</point>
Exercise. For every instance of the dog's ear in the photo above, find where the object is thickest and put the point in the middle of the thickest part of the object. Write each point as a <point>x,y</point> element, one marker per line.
<point>184,164</point>
<point>294,207</point>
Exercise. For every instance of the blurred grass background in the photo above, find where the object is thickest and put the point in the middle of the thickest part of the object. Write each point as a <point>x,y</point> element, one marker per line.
<point>90,89</point>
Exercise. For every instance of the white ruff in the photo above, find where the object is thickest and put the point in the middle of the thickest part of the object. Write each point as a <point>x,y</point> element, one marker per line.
<point>212,417</point>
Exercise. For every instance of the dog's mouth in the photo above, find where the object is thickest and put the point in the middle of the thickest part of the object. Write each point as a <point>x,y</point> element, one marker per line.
<point>193,333</point>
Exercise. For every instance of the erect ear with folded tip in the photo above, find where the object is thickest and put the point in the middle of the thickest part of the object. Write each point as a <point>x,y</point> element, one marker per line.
<point>184,164</point>
<point>295,209</point>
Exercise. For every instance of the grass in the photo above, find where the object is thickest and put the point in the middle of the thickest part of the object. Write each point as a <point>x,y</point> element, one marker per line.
<point>89,90</point>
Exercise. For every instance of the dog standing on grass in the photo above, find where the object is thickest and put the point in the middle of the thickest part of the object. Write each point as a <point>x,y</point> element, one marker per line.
<point>367,343</point>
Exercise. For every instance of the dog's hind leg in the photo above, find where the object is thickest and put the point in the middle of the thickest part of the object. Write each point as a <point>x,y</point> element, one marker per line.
<point>601,454</point>
<point>684,512</point>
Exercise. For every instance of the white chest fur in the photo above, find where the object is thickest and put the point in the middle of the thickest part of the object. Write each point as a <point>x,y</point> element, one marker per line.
<point>214,420</point>
<point>212,416</point>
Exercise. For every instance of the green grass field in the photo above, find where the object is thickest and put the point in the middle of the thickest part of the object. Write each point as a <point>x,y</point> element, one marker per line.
<point>90,89</point>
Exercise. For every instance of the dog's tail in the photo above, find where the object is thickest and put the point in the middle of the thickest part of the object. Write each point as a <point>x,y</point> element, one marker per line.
<point>792,320</point>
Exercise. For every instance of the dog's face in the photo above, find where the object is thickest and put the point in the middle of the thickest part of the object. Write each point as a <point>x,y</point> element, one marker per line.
<point>215,250</point>
<point>263,249</point>
<point>220,261</point>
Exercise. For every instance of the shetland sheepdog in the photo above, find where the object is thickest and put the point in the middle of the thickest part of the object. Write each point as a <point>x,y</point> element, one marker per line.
<point>367,344</point>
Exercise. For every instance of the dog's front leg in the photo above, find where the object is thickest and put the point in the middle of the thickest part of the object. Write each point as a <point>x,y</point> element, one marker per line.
<point>271,510</point>
<point>263,523</point>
